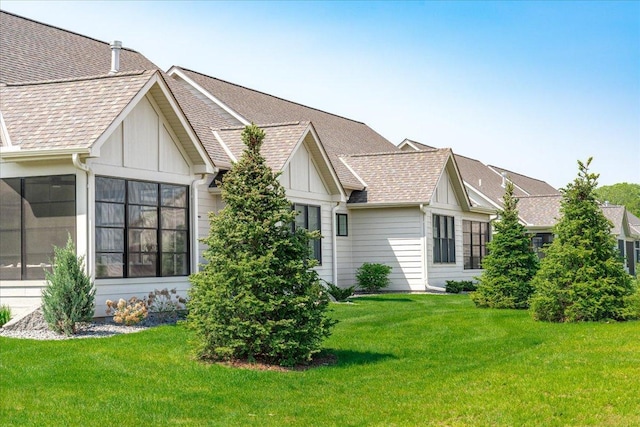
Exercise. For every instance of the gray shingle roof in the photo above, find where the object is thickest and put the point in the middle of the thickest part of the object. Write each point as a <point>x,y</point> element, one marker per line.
<point>66,114</point>
<point>279,141</point>
<point>477,175</point>
<point>615,214</point>
<point>532,186</point>
<point>339,135</point>
<point>33,51</point>
<point>540,211</point>
<point>399,177</point>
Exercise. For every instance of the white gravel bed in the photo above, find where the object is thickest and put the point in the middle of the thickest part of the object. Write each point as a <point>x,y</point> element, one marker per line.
<point>34,327</point>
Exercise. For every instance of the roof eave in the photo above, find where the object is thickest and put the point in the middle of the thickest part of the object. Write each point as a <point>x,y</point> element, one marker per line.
<point>15,154</point>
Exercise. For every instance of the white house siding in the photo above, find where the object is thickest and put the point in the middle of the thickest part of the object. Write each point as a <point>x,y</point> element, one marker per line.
<point>143,147</point>
<point>439,273</point>
<point>346,271</point>
<point>24,295</point>
<point>391,236</point>
<point>305,185</point>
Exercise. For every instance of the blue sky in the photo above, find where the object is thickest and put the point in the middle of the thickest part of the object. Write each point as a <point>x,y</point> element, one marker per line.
<point>528,86</point>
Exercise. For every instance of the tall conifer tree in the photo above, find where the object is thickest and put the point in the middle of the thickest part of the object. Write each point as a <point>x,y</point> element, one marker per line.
<point>510,264</point>
<point>258,297</point>
<point>582,276</point>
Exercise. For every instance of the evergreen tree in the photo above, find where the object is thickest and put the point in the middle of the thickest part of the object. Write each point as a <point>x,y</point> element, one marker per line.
<point>582,277</point>
<point>69,295</point>
<point>510,264</point>
<point>258,297</point>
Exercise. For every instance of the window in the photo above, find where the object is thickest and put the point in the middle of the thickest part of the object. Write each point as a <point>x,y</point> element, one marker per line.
<point>444,246</point>
<point>36,214</point>
<point>638,251</point>
<point>475,236</point>
<point>342,225</point>
<point>309,218</point>
<point>142,229</point>
<point>621,247</point>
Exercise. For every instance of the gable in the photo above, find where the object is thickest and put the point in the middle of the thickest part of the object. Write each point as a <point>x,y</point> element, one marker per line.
<point>301,173</point>
<point>144,140</point>
<point>445,193</point>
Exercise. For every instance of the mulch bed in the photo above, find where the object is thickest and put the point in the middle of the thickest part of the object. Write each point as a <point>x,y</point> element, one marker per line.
<point>318,360</point>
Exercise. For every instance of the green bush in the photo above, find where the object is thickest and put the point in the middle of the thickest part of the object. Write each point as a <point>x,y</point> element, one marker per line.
<point>373,277</point>
<point>457,286</point>
<point>69,295</point>
<point>258,297</point>
<point>510,264</point>
<point>5,314</point>
<point>582,276</point>
<point>340,294</point>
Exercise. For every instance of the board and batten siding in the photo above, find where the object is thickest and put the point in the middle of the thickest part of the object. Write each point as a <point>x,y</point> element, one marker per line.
<point>391,236</point>
<point>144,147</point>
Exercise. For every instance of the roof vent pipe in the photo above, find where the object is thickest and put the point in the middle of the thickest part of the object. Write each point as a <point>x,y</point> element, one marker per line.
<point>116,46</point>
<point>504,179</point>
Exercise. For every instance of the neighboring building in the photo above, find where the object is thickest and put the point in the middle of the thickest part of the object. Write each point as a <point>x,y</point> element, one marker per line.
<point>96,142</point>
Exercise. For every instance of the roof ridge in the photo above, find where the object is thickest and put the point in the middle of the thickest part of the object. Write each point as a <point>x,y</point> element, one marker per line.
<point>269,95</point>
<point>393,153</point>
<point>531,196</point>
<point>470,158</point>
<point>518,173</point>
<point>267,125</point>
<point>63,29</point>
<point>80,79</point>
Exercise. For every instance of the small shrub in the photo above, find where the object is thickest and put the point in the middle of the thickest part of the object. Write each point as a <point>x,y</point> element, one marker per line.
<point>129,312</point>
<point>457,286</point>
<point>165,304</point>
<point>5,314</point>
<point>340,294</point>
<point>373,277</point>
<point>69,295</point>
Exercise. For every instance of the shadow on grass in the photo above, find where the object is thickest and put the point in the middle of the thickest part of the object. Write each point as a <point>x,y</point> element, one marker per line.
<point>379,298</point>
<point>349,357</point>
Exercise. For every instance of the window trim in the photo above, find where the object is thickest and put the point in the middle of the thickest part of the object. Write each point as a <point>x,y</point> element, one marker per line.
<point>313,242</point>
<point>449,239</point>
<point>339,231</point>
<point>485,238</point>
<point>126,229</point>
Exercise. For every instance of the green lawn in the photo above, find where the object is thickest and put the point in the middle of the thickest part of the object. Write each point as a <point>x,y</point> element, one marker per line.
<point>403,360</point>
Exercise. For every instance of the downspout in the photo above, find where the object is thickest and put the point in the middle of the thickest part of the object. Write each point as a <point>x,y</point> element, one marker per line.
<point>75,158</point>
<point>334,242</point>
<point>425,258</point>
<point>195,218</point>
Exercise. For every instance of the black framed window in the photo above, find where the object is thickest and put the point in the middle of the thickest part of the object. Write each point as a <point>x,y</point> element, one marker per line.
<point>37,213</point>
<point>637,244</point>
<point>444,245</point>
<point>475,236</point>
<point>309,217</point>
<point>342,225</point>
<point>142,229</point>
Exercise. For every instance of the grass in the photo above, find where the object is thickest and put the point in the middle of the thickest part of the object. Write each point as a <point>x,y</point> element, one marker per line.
<point>402,360</point>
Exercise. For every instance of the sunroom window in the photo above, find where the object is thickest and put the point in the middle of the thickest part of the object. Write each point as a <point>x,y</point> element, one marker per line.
<point>142,229</point>
<point>36,214</point>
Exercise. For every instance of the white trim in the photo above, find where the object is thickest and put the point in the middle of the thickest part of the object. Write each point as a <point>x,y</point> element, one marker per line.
<point>353,172</point>
<point>15,153</point>
<point>507,177</point>
<point>410,144</point>
<point>325,158</point>
<point>4,132</point>
<point>177,71</point>
<point>224,146</point>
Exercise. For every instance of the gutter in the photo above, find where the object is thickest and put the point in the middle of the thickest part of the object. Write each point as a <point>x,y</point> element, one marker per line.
<point>89,257</point>
<point>425,273</point>
<point>334,242</point>
<point>193,194</point>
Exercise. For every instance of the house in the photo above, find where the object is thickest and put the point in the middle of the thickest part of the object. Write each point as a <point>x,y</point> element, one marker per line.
<point>98,143</point>
<point>93,144</point>
<point>539,203</point>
